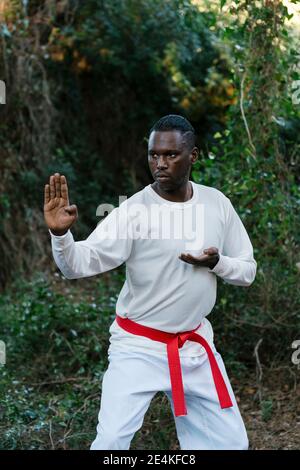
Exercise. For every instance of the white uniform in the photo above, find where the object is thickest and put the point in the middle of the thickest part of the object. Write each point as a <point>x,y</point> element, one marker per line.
<point>148,233</point>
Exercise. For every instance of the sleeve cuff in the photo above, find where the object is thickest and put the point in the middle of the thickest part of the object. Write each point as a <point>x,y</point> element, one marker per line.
<point>59,237</point>
<point>61,242</point>
<point>221,266</point>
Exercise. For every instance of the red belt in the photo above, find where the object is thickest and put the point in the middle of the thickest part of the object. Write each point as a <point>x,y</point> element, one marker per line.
<point>173,342</point>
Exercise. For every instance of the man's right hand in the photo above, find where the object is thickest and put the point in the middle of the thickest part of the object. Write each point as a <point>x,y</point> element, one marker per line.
<point>59,215</point>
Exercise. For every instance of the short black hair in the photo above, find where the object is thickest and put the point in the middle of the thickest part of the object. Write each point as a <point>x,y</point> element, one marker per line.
<point>175,122</point>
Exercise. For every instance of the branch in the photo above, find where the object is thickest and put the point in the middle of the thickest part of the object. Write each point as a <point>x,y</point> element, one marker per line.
<point>258,368</point>
<point>244,117</point>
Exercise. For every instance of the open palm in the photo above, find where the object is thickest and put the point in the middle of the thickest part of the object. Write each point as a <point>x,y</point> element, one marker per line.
<point>59,215</point>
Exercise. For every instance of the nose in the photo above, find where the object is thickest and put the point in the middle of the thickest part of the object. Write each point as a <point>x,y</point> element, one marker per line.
<point>161,162</point>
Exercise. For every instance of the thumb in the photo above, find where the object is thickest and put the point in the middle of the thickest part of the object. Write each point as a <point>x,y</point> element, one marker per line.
<point>211,251</point>
<point>72,210</point>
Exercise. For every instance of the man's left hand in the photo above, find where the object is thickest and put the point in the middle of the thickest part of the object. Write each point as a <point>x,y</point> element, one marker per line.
<point>208,260</point>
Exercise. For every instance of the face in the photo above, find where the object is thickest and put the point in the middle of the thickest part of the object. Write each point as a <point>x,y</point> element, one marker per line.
<point>170,156</point>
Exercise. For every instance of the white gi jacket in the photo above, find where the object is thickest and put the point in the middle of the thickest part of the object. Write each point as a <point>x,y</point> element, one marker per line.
<point>148,233</point>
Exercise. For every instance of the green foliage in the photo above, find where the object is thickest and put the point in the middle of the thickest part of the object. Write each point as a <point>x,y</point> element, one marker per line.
<point>56,339</point>
<point>252,160</point>
<point>123,65</point>
<point>49,339</point>
<point>86,84</point>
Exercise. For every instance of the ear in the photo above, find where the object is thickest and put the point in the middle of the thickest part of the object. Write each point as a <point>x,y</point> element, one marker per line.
<point>194,155</point>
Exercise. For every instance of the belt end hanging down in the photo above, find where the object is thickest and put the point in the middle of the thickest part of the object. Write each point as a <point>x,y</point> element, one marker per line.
<point>226,402</point>
<point>179,409</point>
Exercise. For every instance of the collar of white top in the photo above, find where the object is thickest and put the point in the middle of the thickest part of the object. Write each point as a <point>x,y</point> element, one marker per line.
<point>176,205</point>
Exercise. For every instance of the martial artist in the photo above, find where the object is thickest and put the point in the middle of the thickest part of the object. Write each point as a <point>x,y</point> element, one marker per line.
<point>176,238</point>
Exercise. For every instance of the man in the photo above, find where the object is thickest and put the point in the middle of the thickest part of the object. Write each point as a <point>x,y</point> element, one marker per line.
<point>175,237</point>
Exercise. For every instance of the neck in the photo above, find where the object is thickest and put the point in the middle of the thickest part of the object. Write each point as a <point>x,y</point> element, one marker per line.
<point>182,194</point>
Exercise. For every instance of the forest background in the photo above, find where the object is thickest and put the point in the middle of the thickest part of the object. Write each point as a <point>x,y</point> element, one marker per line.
<point>85,80</point>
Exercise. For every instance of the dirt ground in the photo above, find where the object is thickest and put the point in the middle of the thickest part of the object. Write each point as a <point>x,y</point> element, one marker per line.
<point>273,423</point>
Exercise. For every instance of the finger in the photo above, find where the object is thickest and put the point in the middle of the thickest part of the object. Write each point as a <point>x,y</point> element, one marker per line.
<point>57,185</point>
<point>46,194</point>
<point>190,257</point>
<point>201,260</point>
<point>64,188</point>
<point>187,258</point>
<point>194,258</point>
<point>52,187</point>
<point>212,250</point>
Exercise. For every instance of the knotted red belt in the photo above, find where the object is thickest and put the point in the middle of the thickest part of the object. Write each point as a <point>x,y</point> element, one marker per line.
<point>173,342</point>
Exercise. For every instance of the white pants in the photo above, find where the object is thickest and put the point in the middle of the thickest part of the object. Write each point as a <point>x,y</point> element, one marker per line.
<point>132,380</point>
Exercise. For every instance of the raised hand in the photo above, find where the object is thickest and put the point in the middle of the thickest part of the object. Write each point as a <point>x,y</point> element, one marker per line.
<point>209,259</point>
<point>58,214</point>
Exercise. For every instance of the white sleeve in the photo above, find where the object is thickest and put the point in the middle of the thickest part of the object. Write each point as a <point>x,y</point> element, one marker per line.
<point>107,247</point>
<point>236,264</point>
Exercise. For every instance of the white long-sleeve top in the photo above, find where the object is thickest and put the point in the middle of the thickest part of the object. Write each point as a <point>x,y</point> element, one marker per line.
<point>148,233</point>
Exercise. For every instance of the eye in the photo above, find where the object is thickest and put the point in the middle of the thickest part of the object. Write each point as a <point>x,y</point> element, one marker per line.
<point>172,155</point>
